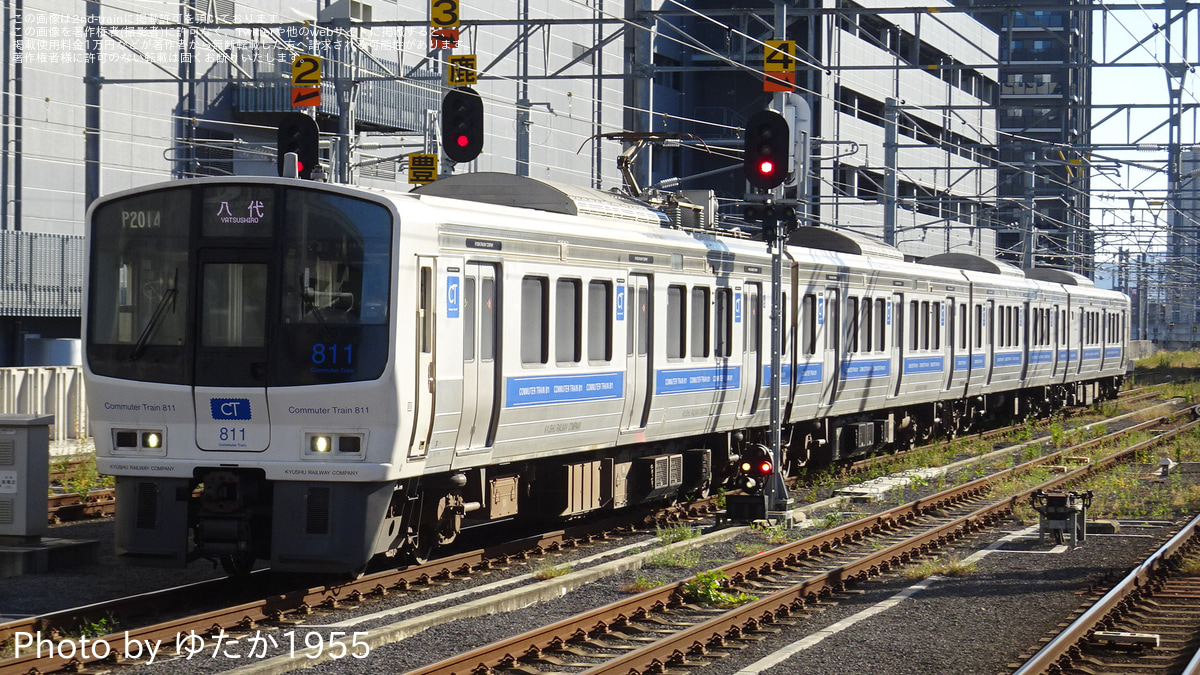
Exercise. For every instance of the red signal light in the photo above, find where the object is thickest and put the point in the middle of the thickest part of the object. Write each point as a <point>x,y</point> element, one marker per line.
<point>766,167</point>
<point>462,141</point>
<point>764,467</point>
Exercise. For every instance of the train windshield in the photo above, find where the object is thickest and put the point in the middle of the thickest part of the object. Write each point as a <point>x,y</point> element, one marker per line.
<point>239,285</point>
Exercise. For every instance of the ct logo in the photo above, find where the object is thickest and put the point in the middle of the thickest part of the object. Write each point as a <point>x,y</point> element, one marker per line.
<point>230,408</point>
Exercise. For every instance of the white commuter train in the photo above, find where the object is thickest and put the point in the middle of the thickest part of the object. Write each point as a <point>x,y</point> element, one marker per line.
<point>314,374</point>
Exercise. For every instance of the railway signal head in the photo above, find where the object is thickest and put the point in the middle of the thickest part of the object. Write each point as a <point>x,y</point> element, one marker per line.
<point>756,467</point>
<point>298,133</point>
<point>766,149</point>
<point>462,124</point>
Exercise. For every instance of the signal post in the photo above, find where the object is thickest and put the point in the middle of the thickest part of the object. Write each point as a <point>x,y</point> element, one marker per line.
<point>770,145</point>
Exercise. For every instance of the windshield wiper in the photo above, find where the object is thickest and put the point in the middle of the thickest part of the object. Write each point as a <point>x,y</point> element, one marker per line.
<point>160,310</point>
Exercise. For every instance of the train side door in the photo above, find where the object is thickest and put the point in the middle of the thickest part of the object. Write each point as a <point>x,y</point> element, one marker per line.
<point>637,309</point>
<point>425,338</point>
<point>989,345</point>
<point>1025,335</point>
<point>829,314</point>
<point>752,361</point>
<point>1054,343</point>
<point>949,331</point>
<point>896,328</point>
<point>479,307</point>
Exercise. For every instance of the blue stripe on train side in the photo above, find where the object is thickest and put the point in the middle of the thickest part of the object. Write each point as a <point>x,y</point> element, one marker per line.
<point>972,362</point>
<point>1007,359</point>
<point>1112,352</point>
<point>691,380</point>
<point>1041,356</point>
<point>545,389</point>
<point>1068,355</point>
<point>1091,354</point>
<point>807,373</point>
<point>923,364</point>
<point>861,370</point>
<point>785,375</point>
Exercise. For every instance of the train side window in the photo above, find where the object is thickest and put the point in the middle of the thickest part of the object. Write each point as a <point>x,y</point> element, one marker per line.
<point>852,320</point>
<point>753,302</point>
<point>914,316</point>
<point>925,324</point>
<point>963,337</point>
<point>786,333</point>
<point>935,321</point>
<point>630,301</point>
<point>880,324</point>
<point>426,309</point>
<point>468,316</point>
<point>535,301</point>
<point>600,320</point>
<point>724,322</point>
<point>487,320</point>
<point>808,324</point>
<point>676,322</point>
<point>643,319</point>
<point>868,333</point>
<point>700,321</point>
<point>568,320</point>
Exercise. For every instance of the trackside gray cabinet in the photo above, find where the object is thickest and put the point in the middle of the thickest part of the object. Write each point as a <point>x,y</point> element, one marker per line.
<point>24,474</point>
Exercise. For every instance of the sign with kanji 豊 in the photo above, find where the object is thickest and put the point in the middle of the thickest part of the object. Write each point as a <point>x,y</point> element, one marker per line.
<point>462,70</point>
<point>422,168</point>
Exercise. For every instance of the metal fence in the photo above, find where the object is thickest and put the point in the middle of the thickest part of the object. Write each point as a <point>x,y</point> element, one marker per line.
<point>49,390</point>
<point>40,274</point>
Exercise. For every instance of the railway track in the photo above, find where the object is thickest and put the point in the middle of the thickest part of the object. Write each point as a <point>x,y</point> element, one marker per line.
<point>294,605</point>
<point>1147,623</point>
<point>664,628</point>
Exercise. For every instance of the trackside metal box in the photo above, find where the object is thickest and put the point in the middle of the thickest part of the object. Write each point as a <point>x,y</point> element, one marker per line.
<point>24,474</point>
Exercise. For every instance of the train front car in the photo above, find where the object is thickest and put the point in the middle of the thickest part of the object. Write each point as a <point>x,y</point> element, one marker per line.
<point>237,354</point>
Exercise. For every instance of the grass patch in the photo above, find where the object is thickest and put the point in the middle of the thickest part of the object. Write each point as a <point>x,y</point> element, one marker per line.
<point>948,567</point>
<point>709,588</point>
<point>549,570</point>
<point>776,535</point>
<point>79,474</point>
<point>677,558</point>
<point>643,583</point>
<point>747,549</point>
<point>674,533</point>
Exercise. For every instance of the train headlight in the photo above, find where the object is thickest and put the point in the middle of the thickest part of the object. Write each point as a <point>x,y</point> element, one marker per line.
<point>139,442</point>
<point>331,446</point>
